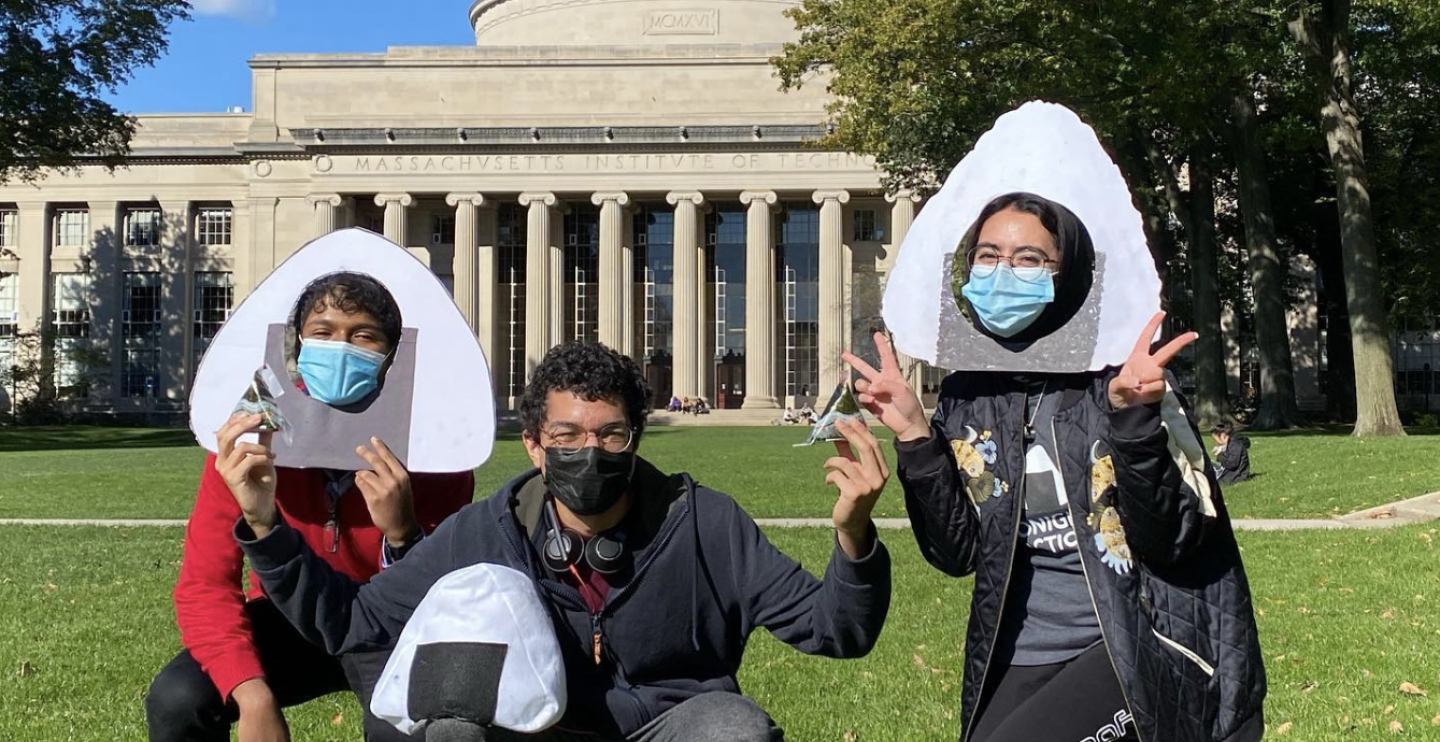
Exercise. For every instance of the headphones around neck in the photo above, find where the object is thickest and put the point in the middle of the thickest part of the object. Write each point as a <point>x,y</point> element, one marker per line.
<point>565,547</point>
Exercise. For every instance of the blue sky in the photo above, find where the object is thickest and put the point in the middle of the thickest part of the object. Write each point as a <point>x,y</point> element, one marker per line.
<point>205,68</point>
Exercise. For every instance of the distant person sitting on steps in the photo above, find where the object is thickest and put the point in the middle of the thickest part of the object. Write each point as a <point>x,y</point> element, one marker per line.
<point>1232,454</point>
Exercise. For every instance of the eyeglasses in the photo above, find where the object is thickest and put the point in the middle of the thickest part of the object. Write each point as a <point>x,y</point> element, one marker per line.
<point>1026,257</point>
<point>613,438</point>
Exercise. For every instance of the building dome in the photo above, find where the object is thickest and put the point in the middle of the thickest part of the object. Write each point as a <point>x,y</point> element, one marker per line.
<point>631,22</point>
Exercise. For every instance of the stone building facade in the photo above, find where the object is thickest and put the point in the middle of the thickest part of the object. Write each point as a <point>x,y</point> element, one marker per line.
<point>619,170</point>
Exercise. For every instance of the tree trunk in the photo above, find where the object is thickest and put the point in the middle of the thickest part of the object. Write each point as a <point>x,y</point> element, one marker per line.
<point>1210,400</point>
<point>1328,43</point>
<point>1277,379</point>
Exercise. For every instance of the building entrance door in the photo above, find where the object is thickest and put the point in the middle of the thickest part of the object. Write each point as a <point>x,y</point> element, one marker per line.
<point>729,384</point>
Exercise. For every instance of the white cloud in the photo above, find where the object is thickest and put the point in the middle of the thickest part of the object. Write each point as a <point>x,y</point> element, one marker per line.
<point>250,10</point>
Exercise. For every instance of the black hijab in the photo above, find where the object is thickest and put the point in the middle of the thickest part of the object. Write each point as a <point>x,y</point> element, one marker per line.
<point>1077,264</point>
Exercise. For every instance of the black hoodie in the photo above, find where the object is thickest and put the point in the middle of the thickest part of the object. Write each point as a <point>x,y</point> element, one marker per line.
<point>705,577</point>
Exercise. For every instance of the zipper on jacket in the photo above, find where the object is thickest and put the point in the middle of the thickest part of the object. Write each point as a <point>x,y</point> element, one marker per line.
<point>1188,653</point>
<point>596,636</point>
<point>1094,604</point>
<point>1004,591</point>
<point>617,597</point>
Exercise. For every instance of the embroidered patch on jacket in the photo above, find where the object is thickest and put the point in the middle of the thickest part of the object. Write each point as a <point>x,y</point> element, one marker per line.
<point>1104,518</point>
<point>975,456</point>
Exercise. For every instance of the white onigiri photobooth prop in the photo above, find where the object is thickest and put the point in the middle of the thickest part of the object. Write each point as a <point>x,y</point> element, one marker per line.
<point>471,623</point>
<point>1044,149</point>
<point>436,408</point>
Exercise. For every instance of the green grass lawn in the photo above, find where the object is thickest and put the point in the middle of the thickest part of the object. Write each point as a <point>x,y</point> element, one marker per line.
<point>1304,474</point>
<point>1345,618</point>
<point>127,473</point>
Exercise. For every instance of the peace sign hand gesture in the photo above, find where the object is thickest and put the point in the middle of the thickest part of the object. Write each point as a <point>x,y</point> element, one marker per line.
<point>1142,379</point>
<point>886,394</point>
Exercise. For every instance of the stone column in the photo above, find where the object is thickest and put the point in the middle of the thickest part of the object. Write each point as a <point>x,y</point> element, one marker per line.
<point>396,206</point>
<point>558,332</point>
<point>704,320</point>
<point>688,245</point>
<point>759,301</point>
<point>328,212</point>
<point>32,246</point>
<point>487,280</point>
<point>537,277</point>
<point>833,317</point>
<point>627,294</point>
<point>902,216</point>
<point>107,293</point>
<point>612,267</point>
<point>464,263</point>
<point>176,283</point>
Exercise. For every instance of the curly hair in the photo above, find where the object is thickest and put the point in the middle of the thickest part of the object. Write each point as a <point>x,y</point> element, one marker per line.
<point>591,371</point>
<point>350,293</point>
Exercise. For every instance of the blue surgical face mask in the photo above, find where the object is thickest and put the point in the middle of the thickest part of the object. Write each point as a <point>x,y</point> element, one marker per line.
<point>338,373</point>
<point>1007,300</point>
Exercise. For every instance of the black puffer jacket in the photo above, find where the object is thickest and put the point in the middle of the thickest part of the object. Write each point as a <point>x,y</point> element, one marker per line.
<point>1155,540</point>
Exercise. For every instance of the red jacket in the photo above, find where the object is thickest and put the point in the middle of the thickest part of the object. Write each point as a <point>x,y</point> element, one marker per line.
<point>210,598</point>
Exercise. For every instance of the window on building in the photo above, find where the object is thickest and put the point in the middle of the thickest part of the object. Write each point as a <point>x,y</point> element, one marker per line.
<point>72,228</point>
<point>140,323</point>
<point>9,228</point>
<point>865,226</point>
<point>214,296</point>
<point>582,264</point>
<point>214,225</point>
<point>142,227</point>
<point>655,296</point>
<point>725,274</point>
<point>9,308</point>
<point>510,241</point>
<point>70,321</point>
<point>931,378</point>
<point>442,230</point>
<point>798,283</point>
<point>9,322</point>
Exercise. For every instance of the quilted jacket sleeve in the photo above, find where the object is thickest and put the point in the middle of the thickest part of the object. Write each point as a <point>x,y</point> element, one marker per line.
<point>946,527</point>
<point>1167,491</point>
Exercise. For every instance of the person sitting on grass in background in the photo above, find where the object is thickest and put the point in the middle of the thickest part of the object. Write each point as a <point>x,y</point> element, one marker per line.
<point>242,662</point>
<point>1232,454</point>
<point>654,583</point>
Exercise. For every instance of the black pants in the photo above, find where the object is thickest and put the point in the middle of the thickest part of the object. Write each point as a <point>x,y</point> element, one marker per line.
<point>184,704</point>
<point>1075,701</point>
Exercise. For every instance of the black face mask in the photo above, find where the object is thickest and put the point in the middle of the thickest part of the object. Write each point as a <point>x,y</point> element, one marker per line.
<point>589,481</point>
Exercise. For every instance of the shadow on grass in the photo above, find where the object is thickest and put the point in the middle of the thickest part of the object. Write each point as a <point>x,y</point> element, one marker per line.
<point>1333,431</point>
<point>78,438</point>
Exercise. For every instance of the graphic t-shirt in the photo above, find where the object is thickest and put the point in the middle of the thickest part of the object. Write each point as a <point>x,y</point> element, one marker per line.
<point>1049,615</point>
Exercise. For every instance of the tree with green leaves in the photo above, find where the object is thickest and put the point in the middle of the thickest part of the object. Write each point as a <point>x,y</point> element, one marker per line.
<point>915,82</point>
<point>57,58</point>
<point>1323,31</point>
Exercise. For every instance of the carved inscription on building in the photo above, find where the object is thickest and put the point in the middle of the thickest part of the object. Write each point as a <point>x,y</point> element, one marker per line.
<point>686,22</point>
<point>585,163</point>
